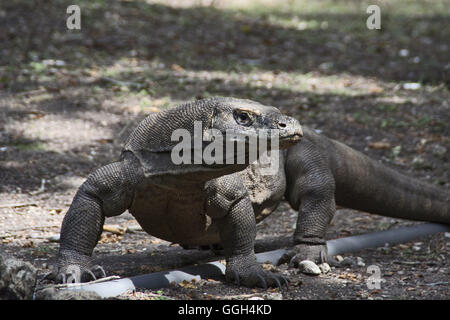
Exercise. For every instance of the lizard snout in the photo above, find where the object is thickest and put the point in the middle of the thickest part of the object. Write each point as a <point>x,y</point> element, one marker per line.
<point>290,130</point>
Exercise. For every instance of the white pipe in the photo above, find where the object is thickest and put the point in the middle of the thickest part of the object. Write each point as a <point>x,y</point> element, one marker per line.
<point>163,279</point>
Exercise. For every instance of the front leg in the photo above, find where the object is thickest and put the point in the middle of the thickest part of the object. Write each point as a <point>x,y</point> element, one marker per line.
<point>311,190</point>
<point>107,192</point>
<point>231,209</point>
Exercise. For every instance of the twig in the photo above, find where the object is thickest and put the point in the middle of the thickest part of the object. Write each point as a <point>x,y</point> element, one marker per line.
<point>35,227</point>
<point>17,205</point>
<point>122,83</point>
<point>68,285</point>
<point>437,283</point>
<point>409,263</point>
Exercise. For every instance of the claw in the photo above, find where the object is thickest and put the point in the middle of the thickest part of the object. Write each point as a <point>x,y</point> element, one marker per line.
<point>99,272</point>
<point>293,263</point>
<point>264,283</point>
<point>286,257</point>
<point>236,277</point>
<point>48,276</point>
<point>323,257</point>
<point>286,281</point>
<point>90,274</point>
<point>61,278</point>
<point>277,281</point>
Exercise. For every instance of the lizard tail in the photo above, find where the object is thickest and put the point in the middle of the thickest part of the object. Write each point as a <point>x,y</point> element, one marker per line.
<point>367,185</point>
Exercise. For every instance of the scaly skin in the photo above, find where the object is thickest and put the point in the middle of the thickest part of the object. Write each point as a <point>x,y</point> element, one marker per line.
<point>201,204</point>
<point>188,203</point>
<point>322,172</point>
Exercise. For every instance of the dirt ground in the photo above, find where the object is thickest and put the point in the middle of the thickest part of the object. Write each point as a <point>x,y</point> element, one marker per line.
<point>69,97</point>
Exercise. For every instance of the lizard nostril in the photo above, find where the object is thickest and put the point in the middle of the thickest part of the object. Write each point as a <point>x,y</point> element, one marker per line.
<point>281,125</point>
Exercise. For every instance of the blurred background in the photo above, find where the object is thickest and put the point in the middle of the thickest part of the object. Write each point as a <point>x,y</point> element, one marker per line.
<point>70,93</point>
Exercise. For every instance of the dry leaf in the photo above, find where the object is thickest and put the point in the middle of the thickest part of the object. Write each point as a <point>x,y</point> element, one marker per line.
<point>177,68</point>
<point>114,229</point>
<point>380,145</point>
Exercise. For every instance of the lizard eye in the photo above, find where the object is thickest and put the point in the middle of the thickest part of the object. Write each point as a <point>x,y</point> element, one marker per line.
<point>243,118</point>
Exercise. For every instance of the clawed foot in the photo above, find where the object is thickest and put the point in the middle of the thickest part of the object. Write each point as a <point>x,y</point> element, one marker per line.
<point>73,267</point>
<point>252,275</point>
<point>75,274</point>
<point>309,259</point>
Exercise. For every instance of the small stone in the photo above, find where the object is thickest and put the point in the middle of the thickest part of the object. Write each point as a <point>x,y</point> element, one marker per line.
<point>403,53</point>
<point>134,228</point>
<point>411,86</point>
<point>360,262</point>
<point>309,267</point>
<point>255,298</point>
<point>271,296</point>
<point>325,267</point>
<point>54,238</point>
<point>339,258</point>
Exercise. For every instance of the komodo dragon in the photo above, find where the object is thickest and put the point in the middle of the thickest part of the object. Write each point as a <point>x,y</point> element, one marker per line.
<point>201,204</point>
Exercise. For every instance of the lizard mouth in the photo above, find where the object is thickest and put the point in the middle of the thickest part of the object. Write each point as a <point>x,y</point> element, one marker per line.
<point>295,137</point>
<point>288,141</point>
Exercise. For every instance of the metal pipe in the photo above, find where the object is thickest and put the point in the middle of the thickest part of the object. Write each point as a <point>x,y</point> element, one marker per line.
<point>216,269</point>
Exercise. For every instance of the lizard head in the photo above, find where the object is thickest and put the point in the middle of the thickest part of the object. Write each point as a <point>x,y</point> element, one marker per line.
<point>243,130</point>
<point>248,118</point>
<point>195,137</point>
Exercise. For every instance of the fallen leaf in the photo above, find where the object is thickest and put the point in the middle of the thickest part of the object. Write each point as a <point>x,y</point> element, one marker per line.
<point>377,291</point>
<point>28,244</point>
<point>187,284</point>
<point>380,145</point>
<point>177,68</point>
<point>114,229</point>
<point>268,267</point>
<point>103,141</point>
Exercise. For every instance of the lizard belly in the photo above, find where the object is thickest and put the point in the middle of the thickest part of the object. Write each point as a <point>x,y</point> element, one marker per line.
<point>174,216</point>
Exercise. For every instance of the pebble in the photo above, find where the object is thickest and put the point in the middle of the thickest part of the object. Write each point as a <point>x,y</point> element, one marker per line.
<point>411,86</point>
<point>54,238</point>
<point>134,228</point>
<point>309,267</point>
<point>360,262</point>
<point>272,296</point>
<point>403,53</point>
<point>325,267</point>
